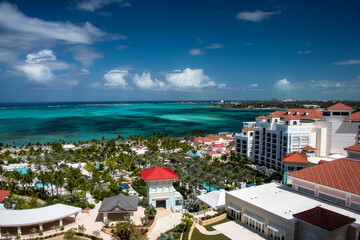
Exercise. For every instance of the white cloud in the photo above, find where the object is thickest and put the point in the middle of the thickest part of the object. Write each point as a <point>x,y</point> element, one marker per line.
<point>215,46</point>
<point>41,56</point>
<point>85,54</point>
<point>92,5</point>
<point>255,85</point>
<point>190,79</point>
<point>39,68</point>
<point>256,16</point>
<point>304,52</point>
<point>283,85</point>
<point>326,84</point>
<point>348,62</point>
<point>115,78</point>
<point>12,19</point>
<point>85,71</point>
<point>196,52</point>
<point>96,85</point>
<point>144,81</point>
<point>37,72</point>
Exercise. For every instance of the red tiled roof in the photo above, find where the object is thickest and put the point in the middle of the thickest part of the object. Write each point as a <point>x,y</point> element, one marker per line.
<point>322,161</point>
<point>203,139</point>
<point>87,208</point>
<point>354,116</point>
<point>309,148</point>
<point>355,148</point>
<point>324,218</point>
<point>4,194</point>
<point>292,117</point>
<point>305,113</point>
<point>295,157</point>
<point>260,117</point>
<point>158,173</point>
<point>248,129</point>
<point>276,114</point>
<point>340,106</point>
<point>342,174</point>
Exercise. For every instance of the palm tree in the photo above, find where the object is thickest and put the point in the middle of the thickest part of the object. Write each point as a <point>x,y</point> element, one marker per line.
<point>43,179</point>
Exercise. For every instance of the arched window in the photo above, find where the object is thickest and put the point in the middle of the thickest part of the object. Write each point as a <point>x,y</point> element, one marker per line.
<point>295,123</point>
<point>276,120</point>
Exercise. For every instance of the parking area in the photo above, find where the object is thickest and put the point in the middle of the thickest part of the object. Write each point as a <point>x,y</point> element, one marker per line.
<point>235,231</point>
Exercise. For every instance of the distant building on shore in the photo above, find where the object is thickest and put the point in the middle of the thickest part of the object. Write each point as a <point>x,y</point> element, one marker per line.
<point>270,137</point>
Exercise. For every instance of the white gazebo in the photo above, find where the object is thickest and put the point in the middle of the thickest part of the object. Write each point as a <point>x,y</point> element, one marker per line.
<point>214,199</point>
<point>37,216</point>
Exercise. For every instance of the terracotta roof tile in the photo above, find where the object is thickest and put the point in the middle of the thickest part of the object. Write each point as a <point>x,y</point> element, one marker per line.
<point>309,148</point>
<point>322,161</point>
<point>305,113</point>
<point>260,117</point>
<point>342,174</point>
<point>248,129</point>
<point>292,117</point>
<point>158,173</point>
<point>4,194</point>
<point>340,106</point>
<point>355,148</point>
<point>295,157</point>
<point>324,218</point>
<point>354,116</point>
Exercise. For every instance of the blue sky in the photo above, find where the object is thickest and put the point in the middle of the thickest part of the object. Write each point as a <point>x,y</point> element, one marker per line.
<point>126,50</point>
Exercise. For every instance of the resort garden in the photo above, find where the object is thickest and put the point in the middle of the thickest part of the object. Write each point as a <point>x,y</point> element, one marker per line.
<point>105,168</point>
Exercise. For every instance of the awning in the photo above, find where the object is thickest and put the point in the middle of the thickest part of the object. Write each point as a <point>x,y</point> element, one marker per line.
<point>234,207</point>
<point>254,217</point>
<point>275,228</point>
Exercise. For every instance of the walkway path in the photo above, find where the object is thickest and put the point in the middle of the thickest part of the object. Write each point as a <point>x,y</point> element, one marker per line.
<point>235,231</point>
<point>93,222</point>
<point>165,221</point>
<point>206,232</point>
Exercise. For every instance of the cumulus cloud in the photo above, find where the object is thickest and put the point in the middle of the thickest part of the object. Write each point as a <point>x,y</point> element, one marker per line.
<point>304,52</point>
<point>41,56</point>
<point>116,78</point>
<point>196,52</point>
<point>283,85</point>
<point>144,81</point>
<point>214,46</point>
<point>92,5</point>
<point>255,85</point>
<point>190,79</point>
<point>256,16</point>
<point>348,62</point>
<point>39,68</point>
<point>85,54</point>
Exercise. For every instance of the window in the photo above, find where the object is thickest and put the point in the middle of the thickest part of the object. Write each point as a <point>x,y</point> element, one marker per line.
<point>344,113</point>
<point>336,113</point>
<point>291,168</point>
<point>268,120</point>
<point>178,202</point>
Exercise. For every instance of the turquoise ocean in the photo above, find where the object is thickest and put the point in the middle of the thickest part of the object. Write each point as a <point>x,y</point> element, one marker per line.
<point>43,122</point>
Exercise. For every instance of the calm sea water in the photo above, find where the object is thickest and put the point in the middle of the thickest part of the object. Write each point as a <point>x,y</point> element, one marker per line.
<point>88,120</point>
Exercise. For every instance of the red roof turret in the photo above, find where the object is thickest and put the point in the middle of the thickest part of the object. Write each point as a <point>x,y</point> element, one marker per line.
<point>158,173</point>
<point>340,106</point>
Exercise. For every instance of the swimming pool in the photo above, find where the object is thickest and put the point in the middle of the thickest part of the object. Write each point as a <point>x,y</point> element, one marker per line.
<point>20,170</point>
<point>40,186</point>
<point>206,186</point>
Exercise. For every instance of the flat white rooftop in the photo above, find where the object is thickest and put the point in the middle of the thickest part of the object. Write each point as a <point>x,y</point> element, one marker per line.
<point>15,218</point>
<point>283,201</point>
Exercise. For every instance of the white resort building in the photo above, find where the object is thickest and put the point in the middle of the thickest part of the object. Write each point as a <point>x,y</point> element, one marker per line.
<point>269,138</point>
<point>321,202</point>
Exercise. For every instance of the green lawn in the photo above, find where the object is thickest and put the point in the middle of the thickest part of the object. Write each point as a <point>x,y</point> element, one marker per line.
<point>210,226</point>
<point>197,235</point>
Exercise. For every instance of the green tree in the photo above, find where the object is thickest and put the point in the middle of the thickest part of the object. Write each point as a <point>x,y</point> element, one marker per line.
<point>150,212</point>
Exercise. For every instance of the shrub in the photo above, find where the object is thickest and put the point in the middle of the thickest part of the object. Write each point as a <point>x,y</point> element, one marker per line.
<point>150,212</point>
